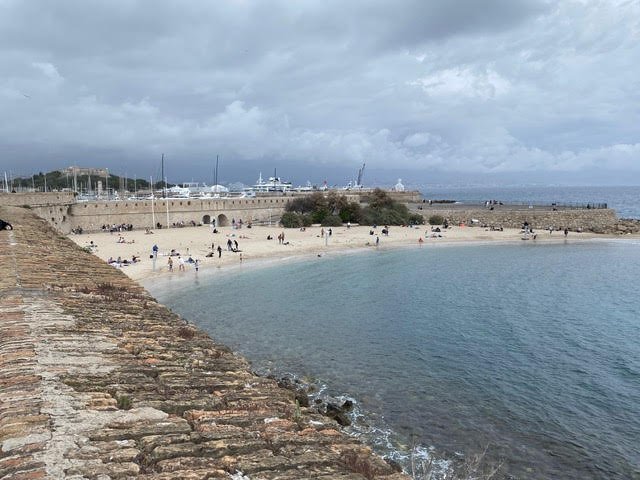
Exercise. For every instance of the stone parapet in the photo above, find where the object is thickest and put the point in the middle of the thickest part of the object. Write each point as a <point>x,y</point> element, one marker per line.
<point>99,381</point>
<point>593,220</point>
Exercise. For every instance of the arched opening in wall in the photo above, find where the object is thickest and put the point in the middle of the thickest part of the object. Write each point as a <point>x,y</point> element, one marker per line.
<point>223,221</point>
<point>206,220</point>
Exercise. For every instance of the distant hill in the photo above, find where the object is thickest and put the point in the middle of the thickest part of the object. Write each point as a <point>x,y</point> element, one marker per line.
<point>59,180</point>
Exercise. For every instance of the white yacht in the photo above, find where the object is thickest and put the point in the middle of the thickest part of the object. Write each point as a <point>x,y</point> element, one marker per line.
<point>274,184</point>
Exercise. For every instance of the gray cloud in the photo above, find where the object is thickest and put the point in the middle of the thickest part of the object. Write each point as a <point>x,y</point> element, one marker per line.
<point>453,86</point>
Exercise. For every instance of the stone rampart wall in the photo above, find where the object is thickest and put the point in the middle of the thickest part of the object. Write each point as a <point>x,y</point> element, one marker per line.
<point>92,215</point>
<point>599,221</point>
<point>36,199</point>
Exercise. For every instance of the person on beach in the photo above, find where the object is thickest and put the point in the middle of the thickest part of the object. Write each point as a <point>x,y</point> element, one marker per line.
<point>180,264</point>
<point>420,241</point>
<point>566,232</point>
<point>154,251</point>
<point>377,241</point>
<point>219,251</point>
<point>170,264</point>
<point>235,242</point>
<point>5,225</point>
<point>229,243</point>
<point>241,258</point>
<point>196,265</point>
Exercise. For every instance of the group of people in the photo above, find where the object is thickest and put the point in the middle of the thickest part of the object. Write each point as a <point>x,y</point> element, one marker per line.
<point>232,246</point>
<point>182,262</point>
<point>120,261</point>
<point>123,227</point>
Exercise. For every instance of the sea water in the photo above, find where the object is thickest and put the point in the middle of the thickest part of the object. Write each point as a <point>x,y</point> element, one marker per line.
<point>528,351</point>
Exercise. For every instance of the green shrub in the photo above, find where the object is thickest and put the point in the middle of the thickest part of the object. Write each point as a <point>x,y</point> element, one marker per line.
<point>351,212</point>
<point>291,220</point>
<point>307,221</point>
<point>319,215</point>
<point>436,220</point>
<point>416,219</point>
<point>332,221</point>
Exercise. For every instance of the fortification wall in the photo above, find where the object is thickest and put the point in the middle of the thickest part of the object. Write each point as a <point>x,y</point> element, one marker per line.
<point>36,199</point>
<point>598,221</point>
<point>98,380</point>
<point>92,215</point>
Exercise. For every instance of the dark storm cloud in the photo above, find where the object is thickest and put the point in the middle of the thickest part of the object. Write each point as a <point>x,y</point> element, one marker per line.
<point>468,86</point>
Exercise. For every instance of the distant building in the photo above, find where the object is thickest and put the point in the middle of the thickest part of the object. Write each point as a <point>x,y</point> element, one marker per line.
<point>80,171</point>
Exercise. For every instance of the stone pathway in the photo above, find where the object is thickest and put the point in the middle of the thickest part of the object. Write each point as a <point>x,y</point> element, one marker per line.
<point>99,381</point>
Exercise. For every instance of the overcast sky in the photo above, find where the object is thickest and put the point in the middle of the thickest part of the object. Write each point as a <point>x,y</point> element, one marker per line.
<point>526,90</point>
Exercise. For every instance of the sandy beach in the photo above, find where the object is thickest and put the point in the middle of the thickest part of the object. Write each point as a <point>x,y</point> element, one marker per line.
<point>253,245</point>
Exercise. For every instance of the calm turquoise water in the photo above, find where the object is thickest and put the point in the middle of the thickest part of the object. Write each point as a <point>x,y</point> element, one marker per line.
<point>530,349</point>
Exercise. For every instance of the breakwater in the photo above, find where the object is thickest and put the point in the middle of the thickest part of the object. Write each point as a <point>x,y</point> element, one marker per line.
<point>98,380</point>
<point>601,220</point>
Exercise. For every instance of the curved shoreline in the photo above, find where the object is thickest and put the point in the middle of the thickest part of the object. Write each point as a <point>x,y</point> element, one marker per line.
<point>256,250</point>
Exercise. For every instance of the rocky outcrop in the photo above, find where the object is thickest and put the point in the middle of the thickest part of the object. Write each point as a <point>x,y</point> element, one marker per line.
<point>99,381</point>
<point>625,226</point>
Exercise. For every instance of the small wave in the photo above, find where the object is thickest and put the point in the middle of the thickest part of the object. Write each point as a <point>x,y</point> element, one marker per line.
<point>419,461</point>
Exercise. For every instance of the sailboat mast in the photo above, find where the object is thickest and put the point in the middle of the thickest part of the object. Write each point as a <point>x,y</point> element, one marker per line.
<point>162,175</point>
<point>215,175</point>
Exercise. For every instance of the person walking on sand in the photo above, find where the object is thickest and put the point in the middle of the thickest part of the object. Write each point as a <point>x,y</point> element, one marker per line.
<point>377,241</point>
<point>196,265</point>
<point>170,264</point>
<point>180,264</point>
<point>420,241</point>
<point>241,258</point>
<point>566,232</point>
<point>219,251</point>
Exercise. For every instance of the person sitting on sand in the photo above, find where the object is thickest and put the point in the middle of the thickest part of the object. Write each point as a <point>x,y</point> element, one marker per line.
<point>5,225</point>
